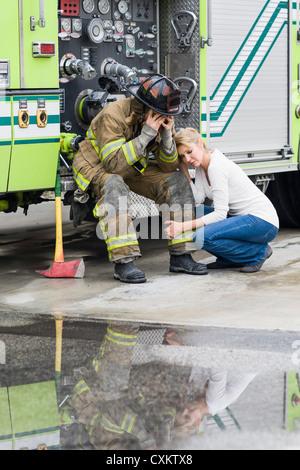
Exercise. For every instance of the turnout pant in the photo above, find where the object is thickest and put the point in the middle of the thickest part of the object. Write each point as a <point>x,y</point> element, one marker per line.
<point>170,191</point>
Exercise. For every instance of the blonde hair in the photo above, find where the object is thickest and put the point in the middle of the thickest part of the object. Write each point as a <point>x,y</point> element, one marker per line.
<point>188,136</point>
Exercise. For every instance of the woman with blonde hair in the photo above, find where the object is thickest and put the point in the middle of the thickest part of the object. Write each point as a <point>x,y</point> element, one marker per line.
<point>238,227</point>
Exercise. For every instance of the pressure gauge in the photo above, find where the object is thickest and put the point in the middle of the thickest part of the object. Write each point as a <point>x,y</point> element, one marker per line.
<point>66,25</point>
<point>119,26</point>
<point>77,25</point>
<point>88,6</point>
<point>130,42</point>
<point>108,26</point>
<point>96,31</point>
<point>103,6</point>
<point>123,7</point>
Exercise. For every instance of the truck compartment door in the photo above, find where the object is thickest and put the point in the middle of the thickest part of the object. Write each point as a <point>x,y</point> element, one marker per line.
<point>9,44</point>
<point>39,46</point>
<point>247,104</point>
<point>35,146</point>
<point>34,416</point>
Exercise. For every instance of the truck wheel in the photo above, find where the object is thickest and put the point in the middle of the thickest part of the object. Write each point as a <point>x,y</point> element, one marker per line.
<point>284,193</point>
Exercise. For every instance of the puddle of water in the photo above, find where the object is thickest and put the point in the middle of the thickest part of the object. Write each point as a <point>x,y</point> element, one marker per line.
<point>70,384</point>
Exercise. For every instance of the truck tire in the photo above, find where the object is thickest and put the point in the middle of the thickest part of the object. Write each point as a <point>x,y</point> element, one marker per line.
<point>284,193</point>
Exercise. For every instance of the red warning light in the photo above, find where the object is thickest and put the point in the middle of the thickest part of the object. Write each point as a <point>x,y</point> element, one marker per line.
<point>48,49</point>
<point>43,49</point>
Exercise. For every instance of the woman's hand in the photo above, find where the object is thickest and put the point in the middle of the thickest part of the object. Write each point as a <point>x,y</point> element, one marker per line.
<point>173,229</point>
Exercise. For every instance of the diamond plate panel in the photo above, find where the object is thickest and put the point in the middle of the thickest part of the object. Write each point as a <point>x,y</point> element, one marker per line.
<point>170,45</point>
<point>142,207</point>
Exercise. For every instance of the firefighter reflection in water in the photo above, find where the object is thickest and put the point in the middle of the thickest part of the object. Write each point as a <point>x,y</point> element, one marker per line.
<point>123,406</point>
<point>130,146</point>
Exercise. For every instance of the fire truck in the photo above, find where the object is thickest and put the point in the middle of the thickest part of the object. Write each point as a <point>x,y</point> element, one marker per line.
<point>237,64</point>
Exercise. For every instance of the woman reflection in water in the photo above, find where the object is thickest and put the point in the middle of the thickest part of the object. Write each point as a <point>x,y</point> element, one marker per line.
<point>221,390</point>
<point>164,403</point>
<point>121,404</point>
<point>242,221</point>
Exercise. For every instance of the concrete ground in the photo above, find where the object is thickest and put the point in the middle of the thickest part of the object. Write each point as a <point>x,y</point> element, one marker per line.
<point>228,321</point>
<point>268,300</point>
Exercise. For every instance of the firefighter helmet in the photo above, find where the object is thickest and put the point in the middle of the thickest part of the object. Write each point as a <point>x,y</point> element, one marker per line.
<point>159,93</point>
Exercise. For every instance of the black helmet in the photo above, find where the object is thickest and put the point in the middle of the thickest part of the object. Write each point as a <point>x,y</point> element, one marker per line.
<point>158,93</point>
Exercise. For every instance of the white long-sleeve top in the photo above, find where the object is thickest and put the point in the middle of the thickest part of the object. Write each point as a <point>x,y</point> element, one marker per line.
<point>231,191</point>
<point>223,390</point>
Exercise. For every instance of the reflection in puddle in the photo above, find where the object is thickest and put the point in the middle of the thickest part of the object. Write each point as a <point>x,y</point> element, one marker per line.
<point>86,385</point>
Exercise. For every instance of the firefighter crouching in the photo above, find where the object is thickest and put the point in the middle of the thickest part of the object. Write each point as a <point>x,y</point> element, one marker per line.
<point>114,158</point>
<point>127,406</point>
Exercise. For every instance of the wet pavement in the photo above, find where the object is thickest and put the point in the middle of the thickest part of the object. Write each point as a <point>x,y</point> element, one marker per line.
<point>81,384</point>
<point>181,363</point>
<point>268,300</point>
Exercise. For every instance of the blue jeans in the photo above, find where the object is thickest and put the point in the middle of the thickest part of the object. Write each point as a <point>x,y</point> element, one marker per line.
<point>242,239</point>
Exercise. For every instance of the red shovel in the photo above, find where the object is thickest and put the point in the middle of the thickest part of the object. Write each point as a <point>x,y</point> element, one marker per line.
<point>61,268</point>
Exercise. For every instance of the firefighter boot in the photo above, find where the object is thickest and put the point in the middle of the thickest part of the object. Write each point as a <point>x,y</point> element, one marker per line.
<point>128,273</point>
<point>186,264</point>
